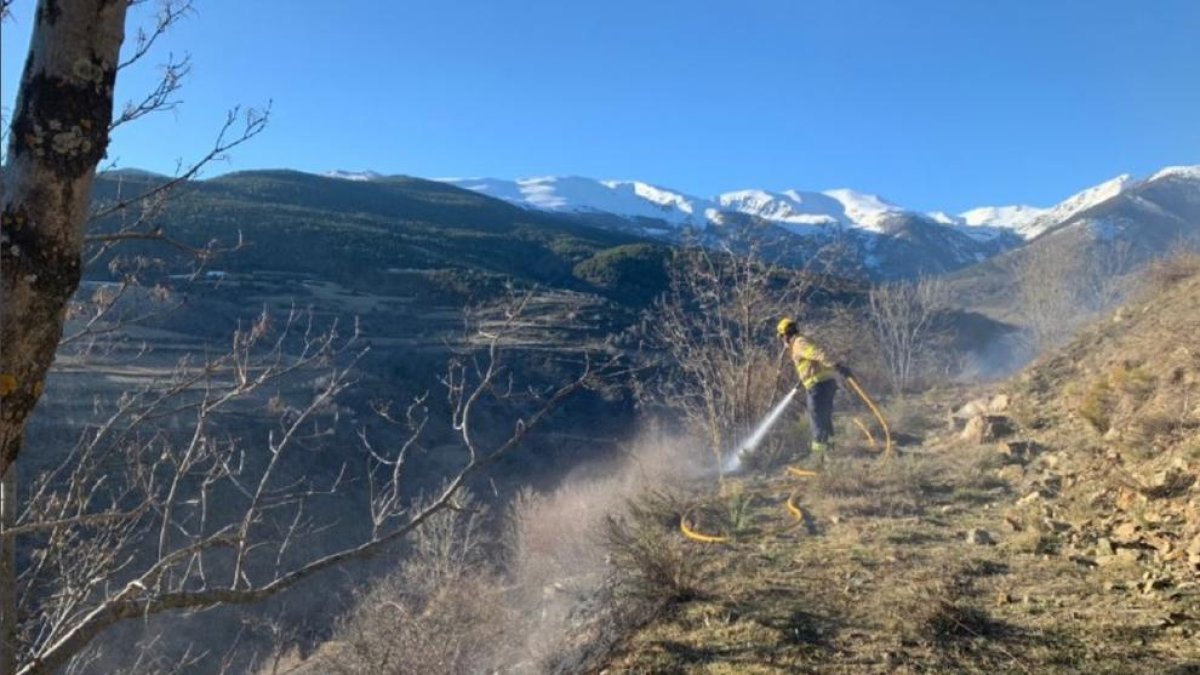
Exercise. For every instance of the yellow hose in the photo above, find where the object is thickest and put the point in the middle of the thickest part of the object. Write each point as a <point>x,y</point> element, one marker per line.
<point>794,510</point>
<point>866,432</point>
<point>692,534</point>
<point>887,433</point>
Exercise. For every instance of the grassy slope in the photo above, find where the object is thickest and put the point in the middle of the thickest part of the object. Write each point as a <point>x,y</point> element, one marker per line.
<point>1089,571</point>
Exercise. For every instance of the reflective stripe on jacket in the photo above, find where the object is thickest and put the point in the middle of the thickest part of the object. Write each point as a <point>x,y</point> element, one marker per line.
<point>813,365</point>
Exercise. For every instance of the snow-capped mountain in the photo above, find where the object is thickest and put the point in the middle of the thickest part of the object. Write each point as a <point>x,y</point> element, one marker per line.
<point>1078,203</point>
<point>801,212</point>
<point>889,239</point>
<point>1114,229</point>
<point>627,199</point>
<point>1154,213</point>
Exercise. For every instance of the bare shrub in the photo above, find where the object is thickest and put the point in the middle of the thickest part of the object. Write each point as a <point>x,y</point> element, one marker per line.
<point>441,612</point>
<point>1062,283</point>
<point>1048,290</point>
<point>653,564</point>
<point>1115,395</point>
<point>903,316</point>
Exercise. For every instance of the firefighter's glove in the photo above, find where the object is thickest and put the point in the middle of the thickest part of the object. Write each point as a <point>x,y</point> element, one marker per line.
<point>843,370</point>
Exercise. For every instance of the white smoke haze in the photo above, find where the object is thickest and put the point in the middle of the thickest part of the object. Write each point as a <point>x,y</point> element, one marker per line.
<point>558,559</point>
<point>451,606</point>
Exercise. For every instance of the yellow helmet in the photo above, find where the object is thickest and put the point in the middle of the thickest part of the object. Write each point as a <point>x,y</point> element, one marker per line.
<point>787,326</point>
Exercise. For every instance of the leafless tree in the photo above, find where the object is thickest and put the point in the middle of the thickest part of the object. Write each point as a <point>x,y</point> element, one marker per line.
<point>163,506</point>
<point>140,518</point>
<point>903,316</point>
<point>1062,282</point>
<point>716,328</point>
<point>1106,273</point>
<point>55,138</point>
<point>1049,291</point>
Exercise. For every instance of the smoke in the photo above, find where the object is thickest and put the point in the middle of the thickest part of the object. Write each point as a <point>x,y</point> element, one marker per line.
<point>558,560</point>
<point>997,359</point>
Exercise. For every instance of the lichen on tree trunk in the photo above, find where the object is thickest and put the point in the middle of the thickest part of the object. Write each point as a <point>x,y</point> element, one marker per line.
<point>59,134</point>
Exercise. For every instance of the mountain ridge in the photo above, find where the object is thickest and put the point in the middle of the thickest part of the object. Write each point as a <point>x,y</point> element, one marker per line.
<point>799,211</point>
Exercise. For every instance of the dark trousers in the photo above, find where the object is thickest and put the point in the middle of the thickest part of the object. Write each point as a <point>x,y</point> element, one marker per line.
<point>820,412</point>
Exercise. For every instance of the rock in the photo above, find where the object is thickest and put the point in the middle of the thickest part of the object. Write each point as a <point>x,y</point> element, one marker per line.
<point>1169,483</point>
<point>1017,452</point>
<point>1126,499</point>
<point>986,428</point>
<point>1104,547</point>
<point>1129,554</point>
<point>1051,483</point>
<point>1160,543</point>
<point>1029,498</point>
<point>1126,533</point>
<point>1193,553</point>
<point>998,404</point>
<point>980,537</point>
<point>1055,525</point>
<point>1155,583</point>
<point>959,418</point>
<point>1013,522</point>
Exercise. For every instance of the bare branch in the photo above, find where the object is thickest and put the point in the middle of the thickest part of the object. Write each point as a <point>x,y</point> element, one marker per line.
<point>254,122</point>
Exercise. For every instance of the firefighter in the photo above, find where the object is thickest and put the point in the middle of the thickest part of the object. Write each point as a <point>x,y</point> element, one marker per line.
<point>817,372</point>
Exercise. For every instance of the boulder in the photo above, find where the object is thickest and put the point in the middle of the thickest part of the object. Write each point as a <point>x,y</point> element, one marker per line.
<point>986,429</point>
<point>999,404</point>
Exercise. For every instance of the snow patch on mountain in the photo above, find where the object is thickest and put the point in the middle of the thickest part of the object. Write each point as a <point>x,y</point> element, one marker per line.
<point>1012,217</point>
<point>572,194</point>
<point>353,175</point>
<point>1185,172</point>
<point>980,221</point>
<point>796,211</point>
<point>866,210</point>
<point>1078,203</point>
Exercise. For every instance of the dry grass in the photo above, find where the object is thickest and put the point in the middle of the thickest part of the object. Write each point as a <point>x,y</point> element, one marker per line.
<point>892,585</point>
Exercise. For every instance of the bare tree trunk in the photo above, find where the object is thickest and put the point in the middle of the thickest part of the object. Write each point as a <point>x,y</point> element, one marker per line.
<point>59,134</point>
<point>8,574</point>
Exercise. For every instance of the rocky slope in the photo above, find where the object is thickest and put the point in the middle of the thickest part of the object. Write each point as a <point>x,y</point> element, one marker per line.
<point>1053,526</point>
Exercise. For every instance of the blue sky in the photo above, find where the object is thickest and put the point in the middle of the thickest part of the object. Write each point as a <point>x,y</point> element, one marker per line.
<point>933,104</point>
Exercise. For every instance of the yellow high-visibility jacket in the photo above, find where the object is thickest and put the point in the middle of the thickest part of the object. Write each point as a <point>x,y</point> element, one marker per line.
<point>813,365</point>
